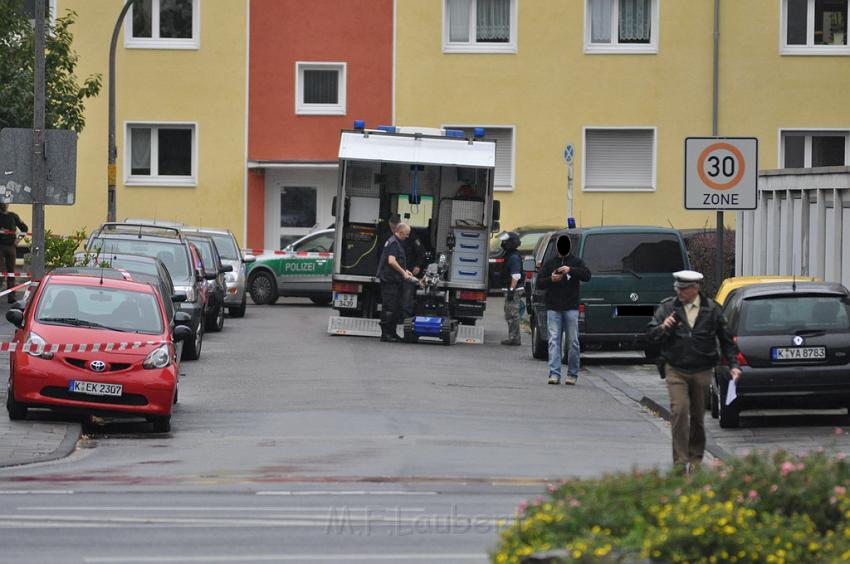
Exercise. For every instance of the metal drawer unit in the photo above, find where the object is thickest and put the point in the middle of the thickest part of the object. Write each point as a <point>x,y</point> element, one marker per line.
<point>469,255</point>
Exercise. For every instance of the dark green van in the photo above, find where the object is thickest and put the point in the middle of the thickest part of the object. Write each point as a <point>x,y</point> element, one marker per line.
<point>631,272</point>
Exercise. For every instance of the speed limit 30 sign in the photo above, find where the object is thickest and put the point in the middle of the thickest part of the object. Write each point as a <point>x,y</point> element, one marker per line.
<point>721,173</point>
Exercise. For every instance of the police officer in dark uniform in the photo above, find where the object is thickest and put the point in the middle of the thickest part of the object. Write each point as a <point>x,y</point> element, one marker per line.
<point>9,223</point>
<point>414,252</point>
<point>688,328</point>
<point>513,271</point>
<point>393,274</point>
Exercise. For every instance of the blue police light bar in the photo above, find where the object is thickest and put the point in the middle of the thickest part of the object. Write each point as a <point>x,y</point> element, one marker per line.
<point>571,223</point>
<point>359,124</point>
<point>478,132</point>
<point>387,128</point>
<point>454,133</point>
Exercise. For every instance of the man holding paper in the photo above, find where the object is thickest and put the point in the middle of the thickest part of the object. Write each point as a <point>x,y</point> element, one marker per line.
<point>688,327</point>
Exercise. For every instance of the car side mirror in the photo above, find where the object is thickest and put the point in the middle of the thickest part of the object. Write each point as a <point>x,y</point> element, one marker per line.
<point>178,298</point>
<point>182,318</point>
<point>225,268</point>
<point>181,333</point>
<point>529,264</point>
<point>210,275</point>
<point>15,317</point>
<point>247,259</point>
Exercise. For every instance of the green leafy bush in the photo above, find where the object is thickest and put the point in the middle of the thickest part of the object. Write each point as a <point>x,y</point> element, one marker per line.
<point>758,508</point>
<point>59,250</point>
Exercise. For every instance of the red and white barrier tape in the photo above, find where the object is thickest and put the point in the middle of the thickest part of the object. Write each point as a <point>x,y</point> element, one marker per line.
<point>298,254</point>
<point>15,274</point>
<point>13,288</point>
<point>69,348</point>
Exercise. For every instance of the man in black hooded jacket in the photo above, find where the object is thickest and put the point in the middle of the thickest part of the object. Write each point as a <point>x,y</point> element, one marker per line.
<point>561,277</point>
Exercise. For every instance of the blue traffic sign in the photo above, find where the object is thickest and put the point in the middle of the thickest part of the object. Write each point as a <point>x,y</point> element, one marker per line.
<point>569,153</point>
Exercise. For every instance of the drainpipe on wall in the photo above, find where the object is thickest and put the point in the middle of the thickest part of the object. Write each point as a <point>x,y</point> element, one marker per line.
<point>719,269</point>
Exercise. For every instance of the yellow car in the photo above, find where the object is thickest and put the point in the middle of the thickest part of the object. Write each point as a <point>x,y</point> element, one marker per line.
<point>731,284</point>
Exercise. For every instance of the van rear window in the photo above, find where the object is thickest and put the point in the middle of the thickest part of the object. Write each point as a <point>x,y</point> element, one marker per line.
<point>632,252</point>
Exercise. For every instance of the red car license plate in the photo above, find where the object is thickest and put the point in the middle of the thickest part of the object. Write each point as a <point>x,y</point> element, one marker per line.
<point>95,388</point>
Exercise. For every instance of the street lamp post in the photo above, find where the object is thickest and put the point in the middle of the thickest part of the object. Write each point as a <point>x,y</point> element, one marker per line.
<point>112,150</point>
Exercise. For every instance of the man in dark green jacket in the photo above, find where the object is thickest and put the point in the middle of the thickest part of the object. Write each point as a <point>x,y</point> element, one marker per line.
<point>688,328</point>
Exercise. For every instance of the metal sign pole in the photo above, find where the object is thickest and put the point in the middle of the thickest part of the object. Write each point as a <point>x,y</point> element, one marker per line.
<point>38,161</point>
<point>112,156</point>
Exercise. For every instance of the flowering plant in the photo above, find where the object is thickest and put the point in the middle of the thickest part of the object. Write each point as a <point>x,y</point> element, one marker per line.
<point>757,508</point>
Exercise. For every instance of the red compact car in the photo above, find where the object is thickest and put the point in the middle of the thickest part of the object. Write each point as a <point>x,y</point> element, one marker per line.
<point>94,341</point>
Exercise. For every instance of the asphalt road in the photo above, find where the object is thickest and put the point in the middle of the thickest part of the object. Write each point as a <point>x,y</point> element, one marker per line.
<point>291,445</point>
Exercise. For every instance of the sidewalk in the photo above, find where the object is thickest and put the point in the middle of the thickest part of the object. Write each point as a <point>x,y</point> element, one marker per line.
<point>641,383</point>
<point>28,441</point>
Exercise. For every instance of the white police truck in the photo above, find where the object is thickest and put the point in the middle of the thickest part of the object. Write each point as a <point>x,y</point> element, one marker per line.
<point>440,182</point>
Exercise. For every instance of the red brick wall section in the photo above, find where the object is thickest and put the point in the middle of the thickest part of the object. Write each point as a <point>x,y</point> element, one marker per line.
<point>357,32</point>
<point>256,208</point>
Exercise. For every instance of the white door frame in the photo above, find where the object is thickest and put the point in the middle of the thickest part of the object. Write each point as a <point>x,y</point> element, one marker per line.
<point>323,179</point>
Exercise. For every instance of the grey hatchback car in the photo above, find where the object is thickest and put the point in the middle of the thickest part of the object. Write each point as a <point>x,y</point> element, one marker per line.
<point>235,298</point>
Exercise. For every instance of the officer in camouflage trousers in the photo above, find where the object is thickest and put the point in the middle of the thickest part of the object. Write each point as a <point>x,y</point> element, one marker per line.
<point>513,268</point>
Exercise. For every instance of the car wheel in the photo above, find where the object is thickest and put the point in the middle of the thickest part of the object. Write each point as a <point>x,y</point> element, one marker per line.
<point>161,424</point>
<point>263,288</point>
<point>238,311</point>
<point>539,347</point>
<point>323,301</point>
<point>16,410</point>
<point>728,414</point>
<point>192,349</point>
<point>216,323</point>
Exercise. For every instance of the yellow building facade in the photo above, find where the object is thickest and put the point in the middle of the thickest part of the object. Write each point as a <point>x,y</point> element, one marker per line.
<point>625,81</point>
<point>181,96</point>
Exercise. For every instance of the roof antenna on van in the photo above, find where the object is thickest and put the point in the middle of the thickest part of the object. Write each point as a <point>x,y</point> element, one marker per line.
<point>602,219</point>
<point>671,223</point>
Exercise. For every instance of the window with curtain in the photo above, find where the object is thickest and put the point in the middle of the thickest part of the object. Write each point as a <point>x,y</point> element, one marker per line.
<point>479,24</point>
<point>815,26</point>
<point>321,88</point>
<point>503,178</point>
<point>621,25</point>
<point>160,154</point>
<point>163,24</point>
<point>807,149</point>
<point>619,159</point>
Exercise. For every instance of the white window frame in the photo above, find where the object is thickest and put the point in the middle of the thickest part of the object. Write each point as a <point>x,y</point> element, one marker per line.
<point>651,188</point>
<point>808,133</point>
<point>50,16</point>
<point>809,48</point>
<point>155,179</point>
<point>472,46</point>
<point>337,109</point>
<point>616,47</point>
<point>512,128</point>
<point>156,42</point>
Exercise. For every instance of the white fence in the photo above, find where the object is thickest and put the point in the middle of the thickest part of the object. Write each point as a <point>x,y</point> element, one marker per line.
<point>801,225</point>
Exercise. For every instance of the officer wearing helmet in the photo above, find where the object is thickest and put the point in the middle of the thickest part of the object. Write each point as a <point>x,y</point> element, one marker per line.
<point>513,267</point>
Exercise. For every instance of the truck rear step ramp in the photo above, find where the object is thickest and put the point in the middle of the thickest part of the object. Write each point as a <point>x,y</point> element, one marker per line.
<point>360,327</point>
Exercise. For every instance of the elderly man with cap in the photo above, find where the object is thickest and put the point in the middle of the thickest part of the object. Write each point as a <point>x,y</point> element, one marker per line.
<point>688,328</point>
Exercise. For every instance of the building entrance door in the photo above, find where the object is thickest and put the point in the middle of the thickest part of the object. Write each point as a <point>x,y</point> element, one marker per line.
<point>297,204</point>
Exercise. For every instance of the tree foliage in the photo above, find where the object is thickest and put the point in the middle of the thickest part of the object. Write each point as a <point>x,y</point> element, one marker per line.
<point>65,97</point>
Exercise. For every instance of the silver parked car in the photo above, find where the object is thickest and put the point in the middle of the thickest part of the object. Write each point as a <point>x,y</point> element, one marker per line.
<point>228,248</point>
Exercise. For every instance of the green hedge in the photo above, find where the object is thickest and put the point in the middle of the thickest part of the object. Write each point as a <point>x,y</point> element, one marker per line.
<point>759,508</point>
